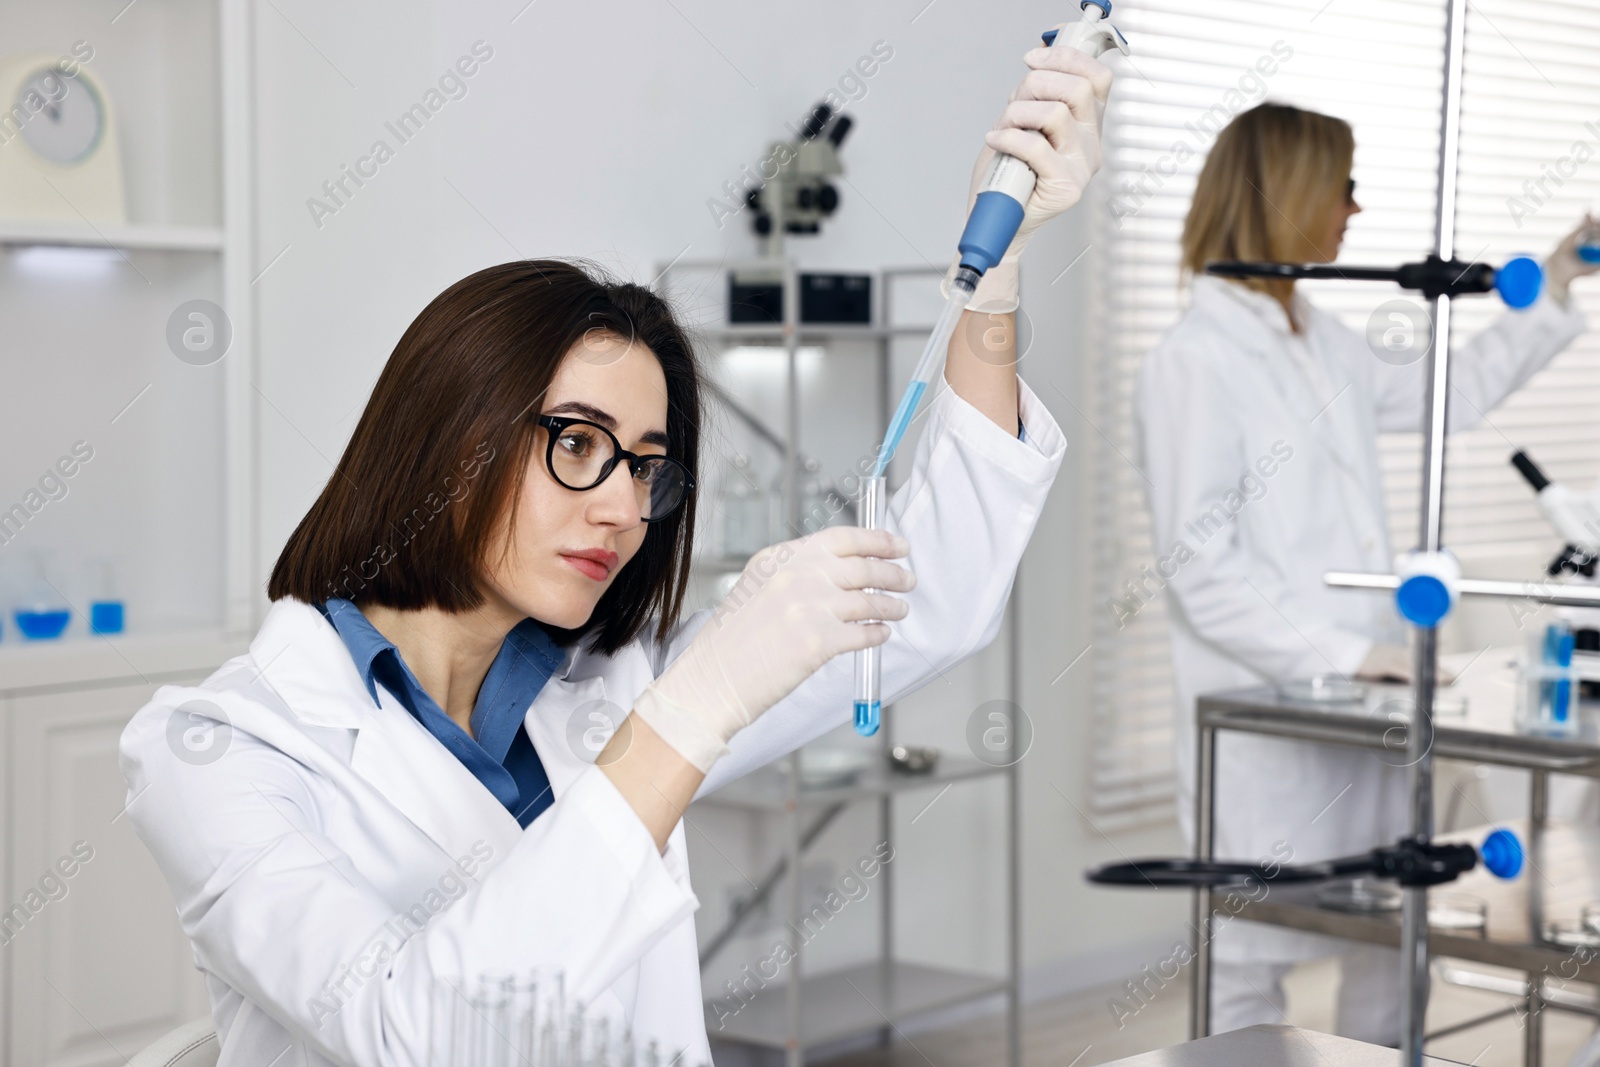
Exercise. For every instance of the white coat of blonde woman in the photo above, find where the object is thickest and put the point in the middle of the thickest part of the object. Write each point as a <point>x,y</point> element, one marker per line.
<point>1259,418</point>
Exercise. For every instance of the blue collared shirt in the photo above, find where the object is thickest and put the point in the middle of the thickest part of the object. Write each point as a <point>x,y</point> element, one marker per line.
<point>502,757</point>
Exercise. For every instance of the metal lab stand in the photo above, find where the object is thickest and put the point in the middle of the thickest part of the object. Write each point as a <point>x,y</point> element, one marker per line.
<point>1562,874</point>
<point>873,998</point>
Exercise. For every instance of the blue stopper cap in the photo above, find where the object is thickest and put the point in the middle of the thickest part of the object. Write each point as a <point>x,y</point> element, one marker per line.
<point>1519,282</point>
<point>1502,854</point>
<point>1423,600</point>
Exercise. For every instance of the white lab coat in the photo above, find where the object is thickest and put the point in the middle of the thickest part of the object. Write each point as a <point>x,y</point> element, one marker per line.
<point>326,817</point>
<point>1230,393</point>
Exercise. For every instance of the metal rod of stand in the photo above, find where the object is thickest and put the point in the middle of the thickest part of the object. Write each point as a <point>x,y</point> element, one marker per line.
<point>1419,739</point>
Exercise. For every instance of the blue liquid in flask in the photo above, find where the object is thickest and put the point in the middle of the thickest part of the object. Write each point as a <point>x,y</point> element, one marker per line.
<point>37,625</point>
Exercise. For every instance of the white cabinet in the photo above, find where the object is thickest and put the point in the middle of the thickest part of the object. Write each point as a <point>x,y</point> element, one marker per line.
<point>102,969</point>
<point>93,965</point>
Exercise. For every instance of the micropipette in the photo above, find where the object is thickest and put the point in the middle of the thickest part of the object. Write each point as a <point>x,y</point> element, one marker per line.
<point>996,216</point>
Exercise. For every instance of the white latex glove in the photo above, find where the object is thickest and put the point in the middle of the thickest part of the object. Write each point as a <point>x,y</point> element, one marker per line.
<point>796,606</point>
<point>1052,124</point>
<point>1563,265</point>
<point>1575,515</point>
<point>1393,663</point>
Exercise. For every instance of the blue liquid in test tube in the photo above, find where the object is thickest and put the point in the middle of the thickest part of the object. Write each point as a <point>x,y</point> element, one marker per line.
<point>869,661</point>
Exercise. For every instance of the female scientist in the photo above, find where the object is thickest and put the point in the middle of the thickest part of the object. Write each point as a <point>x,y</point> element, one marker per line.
<point>385,790</point>
<point>1261,405</point>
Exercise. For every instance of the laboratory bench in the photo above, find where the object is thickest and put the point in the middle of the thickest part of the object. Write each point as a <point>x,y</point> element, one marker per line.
<point>93,965</point>
<point>1273,1046</point>
<point>1561,875</point>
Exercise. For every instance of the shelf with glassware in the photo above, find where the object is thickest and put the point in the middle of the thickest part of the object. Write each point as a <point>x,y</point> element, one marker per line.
<point>794,400</point>
<point>126,197</point>
<point>769,478</point>
<point>126,193</point>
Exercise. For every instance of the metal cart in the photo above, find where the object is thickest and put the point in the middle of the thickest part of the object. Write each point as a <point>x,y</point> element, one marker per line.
<point>1562,874</point>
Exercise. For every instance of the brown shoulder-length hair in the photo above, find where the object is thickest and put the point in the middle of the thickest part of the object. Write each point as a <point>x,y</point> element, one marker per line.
<point>438,459</point>
<point>1271,179</point>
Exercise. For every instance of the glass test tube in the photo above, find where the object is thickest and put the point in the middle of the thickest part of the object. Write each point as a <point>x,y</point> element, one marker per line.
<point>869,661</point>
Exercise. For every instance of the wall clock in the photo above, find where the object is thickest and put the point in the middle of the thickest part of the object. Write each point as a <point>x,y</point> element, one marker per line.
<point>59,154</point>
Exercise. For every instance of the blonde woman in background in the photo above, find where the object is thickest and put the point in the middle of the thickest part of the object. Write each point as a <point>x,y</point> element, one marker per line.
<point>1262,405</point>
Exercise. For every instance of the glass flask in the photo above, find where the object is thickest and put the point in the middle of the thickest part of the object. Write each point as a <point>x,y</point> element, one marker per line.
<point>41,610</point>
<point>744,511</point>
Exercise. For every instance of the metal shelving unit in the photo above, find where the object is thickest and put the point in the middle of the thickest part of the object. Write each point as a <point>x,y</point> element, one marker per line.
<point>870,997</point>
<point>1563,859</point>
<point>873,997</point>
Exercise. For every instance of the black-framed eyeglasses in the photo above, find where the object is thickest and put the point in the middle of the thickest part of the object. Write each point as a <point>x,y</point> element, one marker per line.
<point>582,454</point>
<point>1350,192</point>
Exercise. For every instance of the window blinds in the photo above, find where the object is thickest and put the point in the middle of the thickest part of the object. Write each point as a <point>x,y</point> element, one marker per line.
<point>1377,65</point>
<point>1530,167</point>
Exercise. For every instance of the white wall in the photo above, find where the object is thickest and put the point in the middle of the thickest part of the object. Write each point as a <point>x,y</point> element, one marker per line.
<point>601,130</point>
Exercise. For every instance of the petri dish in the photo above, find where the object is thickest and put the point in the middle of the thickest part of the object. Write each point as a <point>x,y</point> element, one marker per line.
<point>1457,911</point>
<point>1359,895</point>
<point>1449,704</point>
<point>1571,935</point>
<point>1323,689</point>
